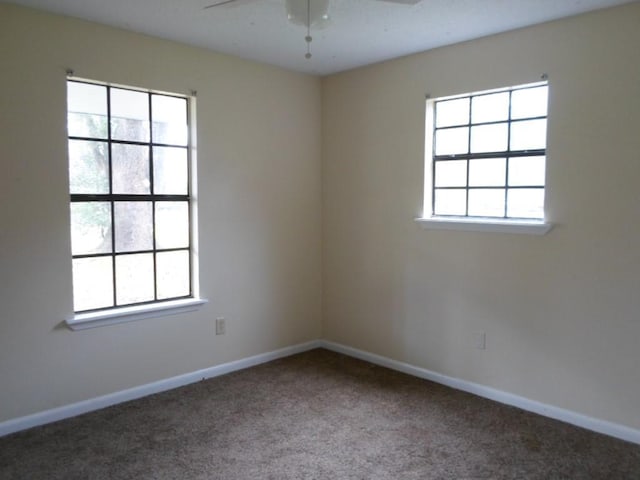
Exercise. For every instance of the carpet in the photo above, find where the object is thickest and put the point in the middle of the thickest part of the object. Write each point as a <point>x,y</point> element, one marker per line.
<point>316,415</point>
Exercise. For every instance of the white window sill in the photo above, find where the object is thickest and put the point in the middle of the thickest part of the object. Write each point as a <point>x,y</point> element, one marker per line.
<point>103,318</point>
<point>532,227</point>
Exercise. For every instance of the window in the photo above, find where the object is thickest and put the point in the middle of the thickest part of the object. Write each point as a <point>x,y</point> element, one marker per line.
<point>488,155</point>
<point>130,192</point>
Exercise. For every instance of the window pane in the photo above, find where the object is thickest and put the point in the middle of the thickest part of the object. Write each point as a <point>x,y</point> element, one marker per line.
<point>452,141</point>
<point>170,171</point>
<point>526,171</point>
<point>92,283</point>
<point>129,115</point>
<point>450,202</point>
<point>172,224</point>
<point>134,226</point>
<point>525,203</point>
<point>134,278</point>
<point>130,164</point>
<point>490,108</point>
<point>451,173</point>
<point>169,119</point>
<point>86,110</point>
<point>90,227</point>
<point>173,274</point>
<point>88,167</point>
<point>489,138</point>
<point>452,112</point>
<point>486,202</point>
<point>489,172</point>
<point>529,102</point>
<point>529,134</point>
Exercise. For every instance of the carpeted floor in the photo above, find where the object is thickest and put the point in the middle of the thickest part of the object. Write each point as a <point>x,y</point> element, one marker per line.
<point>317,415</point>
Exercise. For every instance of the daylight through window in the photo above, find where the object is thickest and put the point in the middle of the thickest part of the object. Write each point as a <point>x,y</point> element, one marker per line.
<point>130,191</point>
<point>488,154</point>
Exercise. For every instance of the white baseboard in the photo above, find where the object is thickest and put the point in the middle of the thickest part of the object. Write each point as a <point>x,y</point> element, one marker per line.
<point>74,409</point>
<point>48,416</point>
<point>601,426</point>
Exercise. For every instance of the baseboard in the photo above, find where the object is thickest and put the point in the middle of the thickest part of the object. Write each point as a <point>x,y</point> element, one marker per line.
<point>74,409</point>
<point>48,416</point>
<point>601,426</point>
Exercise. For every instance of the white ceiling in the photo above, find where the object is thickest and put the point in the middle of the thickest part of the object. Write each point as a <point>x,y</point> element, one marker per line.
<point>359,32</point>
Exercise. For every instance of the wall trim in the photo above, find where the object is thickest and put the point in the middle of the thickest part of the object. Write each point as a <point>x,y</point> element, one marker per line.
<point>594,424</point>
<point>85,406</point>
<point>66,411</point>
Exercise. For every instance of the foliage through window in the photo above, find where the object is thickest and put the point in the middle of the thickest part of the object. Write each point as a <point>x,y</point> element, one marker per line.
<point>489,153</point>
<point>130,196</point>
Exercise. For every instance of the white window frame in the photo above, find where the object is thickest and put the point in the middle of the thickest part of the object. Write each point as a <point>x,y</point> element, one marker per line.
<point>469,223</point>
<point>157,308</point>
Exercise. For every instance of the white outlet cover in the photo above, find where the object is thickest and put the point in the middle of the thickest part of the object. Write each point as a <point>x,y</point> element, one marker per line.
<point>220,326</point>
<point>480,340</point>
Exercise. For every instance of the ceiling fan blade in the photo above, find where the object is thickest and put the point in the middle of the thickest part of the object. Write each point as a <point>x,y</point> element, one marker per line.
<point>404,2</point>
<point>219,4</point>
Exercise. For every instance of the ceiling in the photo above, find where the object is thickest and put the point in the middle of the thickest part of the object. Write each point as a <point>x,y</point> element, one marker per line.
<point>358,33</point>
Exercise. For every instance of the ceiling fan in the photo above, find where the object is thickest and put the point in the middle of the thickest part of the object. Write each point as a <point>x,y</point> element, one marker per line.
<point>308,13</point>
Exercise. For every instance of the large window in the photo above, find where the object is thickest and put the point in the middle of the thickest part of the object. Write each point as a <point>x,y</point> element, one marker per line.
<point>488,153</point>
<point>129,179</point>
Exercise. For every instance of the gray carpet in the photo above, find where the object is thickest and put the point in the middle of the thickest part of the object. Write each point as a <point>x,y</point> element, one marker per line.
<point>317,415</point>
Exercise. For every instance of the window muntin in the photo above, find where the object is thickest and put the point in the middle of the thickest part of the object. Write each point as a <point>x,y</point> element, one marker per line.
<point>488,154</point>
<point>130,196</point>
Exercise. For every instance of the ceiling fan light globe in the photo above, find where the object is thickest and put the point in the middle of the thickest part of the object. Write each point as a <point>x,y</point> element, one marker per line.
<point>297,12</point>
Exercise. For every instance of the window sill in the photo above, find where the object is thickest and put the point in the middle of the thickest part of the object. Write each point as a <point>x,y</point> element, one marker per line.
<point>83,321</point>
<point>532,227</point>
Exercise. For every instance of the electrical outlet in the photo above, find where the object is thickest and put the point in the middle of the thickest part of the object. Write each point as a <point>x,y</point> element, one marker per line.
<point>221,326</point>
<point>480,340</point>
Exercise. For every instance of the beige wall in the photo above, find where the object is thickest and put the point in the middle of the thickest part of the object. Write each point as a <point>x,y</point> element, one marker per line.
<point>259,204</point>
<point>561,312</point>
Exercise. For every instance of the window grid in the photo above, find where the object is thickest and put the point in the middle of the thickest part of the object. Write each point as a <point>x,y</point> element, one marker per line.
<point>507,154</point>
<point>154,198</point>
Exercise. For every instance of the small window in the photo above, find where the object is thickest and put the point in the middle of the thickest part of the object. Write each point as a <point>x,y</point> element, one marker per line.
<point>130,196</point>
<point>487,155</point>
